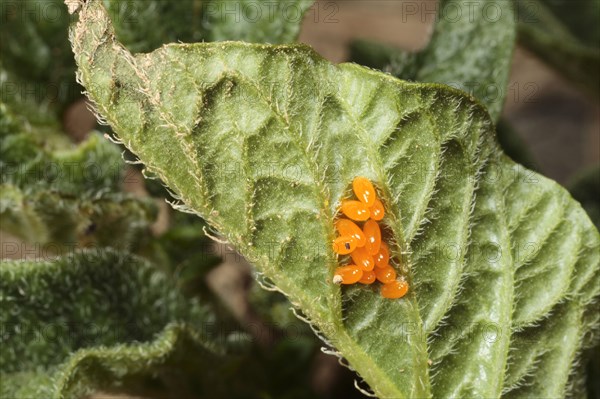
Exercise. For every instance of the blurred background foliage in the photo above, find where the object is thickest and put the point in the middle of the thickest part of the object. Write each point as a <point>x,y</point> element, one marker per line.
<point>110,290</point>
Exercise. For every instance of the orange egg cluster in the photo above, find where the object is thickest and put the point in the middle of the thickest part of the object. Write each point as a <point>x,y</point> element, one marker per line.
<point>370,255</point>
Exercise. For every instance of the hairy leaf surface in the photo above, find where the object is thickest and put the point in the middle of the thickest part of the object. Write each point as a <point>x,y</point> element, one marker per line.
<point>263,142</point>
<point>41,156</point>
<point>88,302</point>
<point>470,49</point>
<point>94,321</point>
<point>60,195</point>
<point>145,25</point>
<point>261,21</point>
<point>75,297</point>
<point>54,222</point>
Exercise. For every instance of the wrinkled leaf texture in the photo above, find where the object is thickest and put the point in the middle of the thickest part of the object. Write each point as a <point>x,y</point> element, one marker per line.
<point>263,142</point>
<point>59,195</point>
<point>104,306</point>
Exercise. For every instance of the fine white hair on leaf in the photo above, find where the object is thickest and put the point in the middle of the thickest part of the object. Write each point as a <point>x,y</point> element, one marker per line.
<point>364,391</point>
<point>73,5</point>
<point>340,358</point>
<point>214,237</point>
<point>314,329</point>
<point>265,284</point>
<point>129,162</point>
<point>331,352</point>
<point>145,172</point>
<point>114,140</point>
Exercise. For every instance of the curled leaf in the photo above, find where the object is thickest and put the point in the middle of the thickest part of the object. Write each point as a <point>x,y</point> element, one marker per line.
<point>264,141</point>
<point>36,64</point>
<point>74,299</point>
<point>60,196</point>
<point>86,322</point>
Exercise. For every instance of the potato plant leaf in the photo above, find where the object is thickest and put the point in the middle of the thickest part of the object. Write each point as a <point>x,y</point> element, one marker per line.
<point>194,21</point>
<point>36,57</point>
<point>471,49</point>
<point>54,222</point>
<point>88,299</point>
<point>41,156</point>
<point>107,321</point>
<point>60,195</point>
<point>263,142</point>
<point>33,53</point>
<point>261,21</point>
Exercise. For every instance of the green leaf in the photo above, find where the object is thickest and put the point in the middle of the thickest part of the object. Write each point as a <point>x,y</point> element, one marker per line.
<point>61,195</point>
<point>86,298</point>
<point>264,141</point>
<point>144,25</point>
<point>56,222</point>
<point>471,50</point>
<point>566,35</point>
<point>34,53</point>
<point>20,220</point>
<point>43,157</point>
<point>39,66</point>
<point>170,364</point>
<point>93,321</point>
<point>261,21</point>
<point>88,302</point>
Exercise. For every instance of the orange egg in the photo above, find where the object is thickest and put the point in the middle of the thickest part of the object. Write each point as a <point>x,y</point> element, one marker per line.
<point>347,274</point>
<point>376,210</point>
<point>348,228</point>
<point>373,236</point>
<point>367,277</point>
<point>386,274</point>
<point>355,210</point>
<point>362,258</point>
<point>394,289</point>
<point>382,258</point>
<point>343,245</point>
<point>364,190</point>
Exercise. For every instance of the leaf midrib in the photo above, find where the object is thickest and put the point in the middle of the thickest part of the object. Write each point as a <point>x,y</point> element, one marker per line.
<point>340,335</point>
<point>396,225</point>
<point>343,340</point>
<point>318,188</point>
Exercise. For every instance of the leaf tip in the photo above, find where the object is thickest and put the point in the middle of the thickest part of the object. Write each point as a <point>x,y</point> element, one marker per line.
<point>73,5</point>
